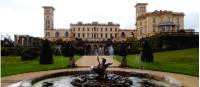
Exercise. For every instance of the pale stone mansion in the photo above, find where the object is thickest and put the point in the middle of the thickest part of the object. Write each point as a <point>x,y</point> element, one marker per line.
<point>147,24</point>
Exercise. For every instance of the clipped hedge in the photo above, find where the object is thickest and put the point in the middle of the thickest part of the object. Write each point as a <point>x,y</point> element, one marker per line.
<point>29,54</point>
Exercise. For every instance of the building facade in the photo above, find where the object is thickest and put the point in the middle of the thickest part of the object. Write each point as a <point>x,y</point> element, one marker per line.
<point>86,31</point>
<point>151,23</point>
<point>27,41</point>
<point>147,24</point>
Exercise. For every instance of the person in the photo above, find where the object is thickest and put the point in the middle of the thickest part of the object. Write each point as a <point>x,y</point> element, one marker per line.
<point>111,50</point>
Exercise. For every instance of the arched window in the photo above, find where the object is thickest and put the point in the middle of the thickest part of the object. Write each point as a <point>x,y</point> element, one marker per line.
<point>123,34</point>
<point>57,34</point>
<point>66,34</point>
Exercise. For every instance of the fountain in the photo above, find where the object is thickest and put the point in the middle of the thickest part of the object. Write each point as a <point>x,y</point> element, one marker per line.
<point>98,76</point>
<point>101,78</point>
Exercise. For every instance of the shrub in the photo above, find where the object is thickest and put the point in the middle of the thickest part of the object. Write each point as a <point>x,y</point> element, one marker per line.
<point>68,50</point>
<point>29,54</point>
<point>46,54</point>
<point>4,51</point>
<point>147,53</point>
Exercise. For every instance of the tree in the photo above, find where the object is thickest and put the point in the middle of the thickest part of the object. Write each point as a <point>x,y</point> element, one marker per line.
<point>68,51</point>
<point>46,54</point>
<point>147,53</point>
<point>123,55</point>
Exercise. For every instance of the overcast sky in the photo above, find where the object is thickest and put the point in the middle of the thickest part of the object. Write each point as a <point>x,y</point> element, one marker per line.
<point>26,16</point>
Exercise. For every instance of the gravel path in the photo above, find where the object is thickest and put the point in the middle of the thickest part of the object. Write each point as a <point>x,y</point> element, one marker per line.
<point>86,61</point>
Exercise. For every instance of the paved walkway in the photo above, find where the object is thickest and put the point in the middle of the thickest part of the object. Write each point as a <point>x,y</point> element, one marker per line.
<point>87,61</point>
<point>187,81</point>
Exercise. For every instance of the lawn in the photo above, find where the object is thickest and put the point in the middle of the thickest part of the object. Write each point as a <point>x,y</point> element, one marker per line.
<point>11,65</point>
<point>184,61</point>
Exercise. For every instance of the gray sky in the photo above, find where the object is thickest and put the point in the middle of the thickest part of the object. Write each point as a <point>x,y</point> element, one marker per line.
<point>26,16</point>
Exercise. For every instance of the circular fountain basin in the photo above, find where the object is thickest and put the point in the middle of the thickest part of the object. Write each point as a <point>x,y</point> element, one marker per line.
<point>64,79</point>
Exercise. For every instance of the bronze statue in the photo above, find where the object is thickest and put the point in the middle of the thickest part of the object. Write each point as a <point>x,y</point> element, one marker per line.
<point>100,69</point>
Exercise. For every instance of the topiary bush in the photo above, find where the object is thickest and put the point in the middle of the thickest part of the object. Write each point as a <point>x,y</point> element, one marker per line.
<point>147,52</point>
<point>4,51</point>
<point>46,54</point>
<point>29,54</point>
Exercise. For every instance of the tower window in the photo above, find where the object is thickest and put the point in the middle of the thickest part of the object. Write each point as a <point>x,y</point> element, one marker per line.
<point>57,34</point>
<point>47,34</point>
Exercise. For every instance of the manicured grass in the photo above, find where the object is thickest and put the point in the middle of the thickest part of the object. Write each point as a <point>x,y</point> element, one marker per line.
<point>11,65</point>
<point>184,61</point>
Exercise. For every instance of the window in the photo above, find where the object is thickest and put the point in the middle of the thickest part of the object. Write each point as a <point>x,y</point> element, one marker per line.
<point>116,35</point>
<point>47,34</point>
<point>106,29</point>
<point>101,29</point>
<point>94,35</point>
<point>83,35</point>
<point>74,29</point>
<point>66,34</point>
<point>78,34</point>
<point>88,29</point>
<point>110,29</point>
<point>154,20</point>
<point>94,28</point>
<point>115,29</point>
<point>47,22</point>
<point>111,36</point>
<point>78,29</point>
<point>101,35</point>
<point>83,29</point>
<point>106,35</point>
<point>57,34</point>
<point>123,34</point>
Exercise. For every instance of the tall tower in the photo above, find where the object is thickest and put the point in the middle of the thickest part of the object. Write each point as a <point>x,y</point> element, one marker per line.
<point>48,17</point>
<point>48,21</point>
<point>140,9</point>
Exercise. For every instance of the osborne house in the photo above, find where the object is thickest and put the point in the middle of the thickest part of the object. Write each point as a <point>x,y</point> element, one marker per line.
<point>147,24</point>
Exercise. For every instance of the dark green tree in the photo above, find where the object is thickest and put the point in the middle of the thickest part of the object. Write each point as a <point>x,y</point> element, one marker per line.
<point>46,54</point>
<point>123,54</point>
<point>147,53</point>
<point>69,51</point>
